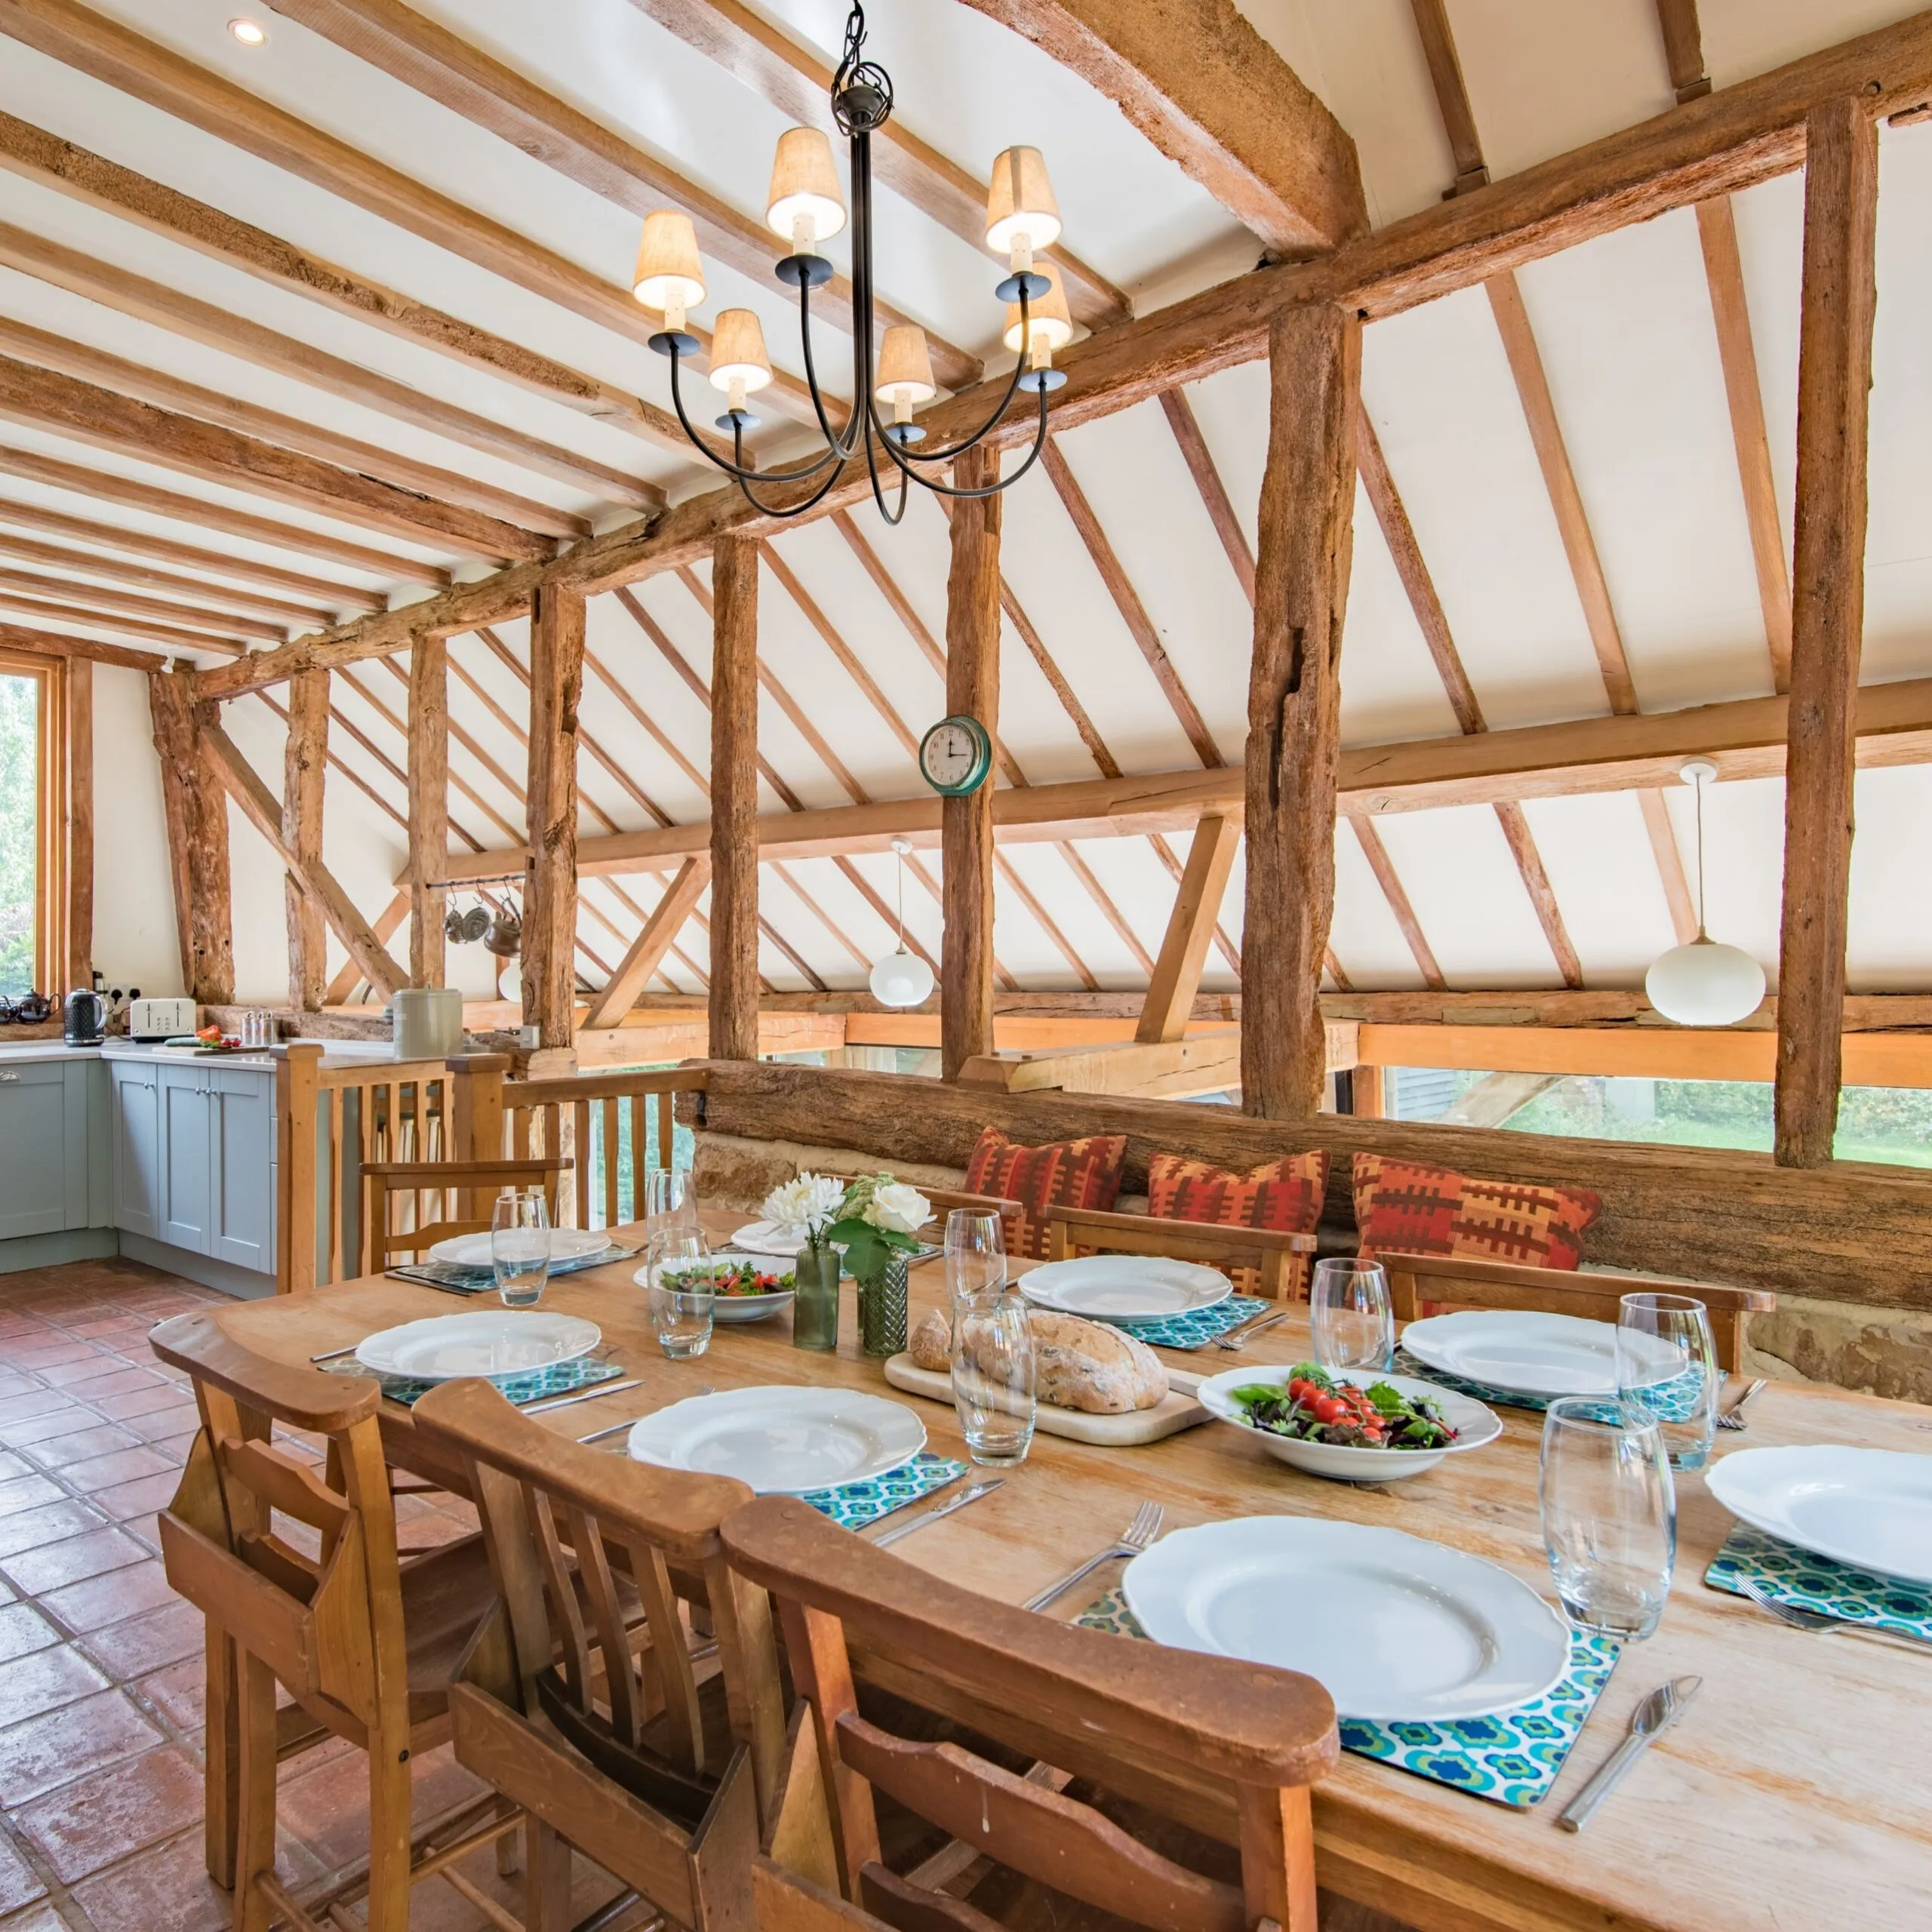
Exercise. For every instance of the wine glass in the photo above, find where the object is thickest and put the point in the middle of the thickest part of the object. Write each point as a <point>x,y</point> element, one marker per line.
<point>1350,1316</point>
<point>1609,1513</point>
<point>1667,1366</point>
<point>975,1252</point>
<point>683,1290</point>
<point>520,1246</point>
<point>995,1375</point>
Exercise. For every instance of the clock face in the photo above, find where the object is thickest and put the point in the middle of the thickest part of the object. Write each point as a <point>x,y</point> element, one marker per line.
<point>956,756</point>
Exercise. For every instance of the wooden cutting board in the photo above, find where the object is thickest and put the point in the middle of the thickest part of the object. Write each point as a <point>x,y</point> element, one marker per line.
<point>1178,1411</point>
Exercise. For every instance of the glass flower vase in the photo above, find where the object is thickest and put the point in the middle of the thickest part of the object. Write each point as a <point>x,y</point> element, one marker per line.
<point>815,1303</point>
<point>882,1309</point>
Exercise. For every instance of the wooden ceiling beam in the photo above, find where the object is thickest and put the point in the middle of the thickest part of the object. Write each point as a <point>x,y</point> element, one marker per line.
<point>56,644</point>
<point>1383,867</point>
<point>222,329</point>
<point>1204,86</point>
<point>1452,94</point>
<point>460,75</point>
<point>39,156</point>
<point>98,615</point>
<point>90,563</point>
<point>797,82</point>
<point>647,951</point>
<point>107,488</point>
<point>1683,49</point>
<point>226,626</point>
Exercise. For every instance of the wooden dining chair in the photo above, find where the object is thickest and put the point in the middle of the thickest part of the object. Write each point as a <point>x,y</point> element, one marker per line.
<point>300,1579</point>
<point>1271,1255</point>
<point>626,1693</point>
<point>1421,1285</point>
<point>444,1198</point>
<point>1198,1739</point>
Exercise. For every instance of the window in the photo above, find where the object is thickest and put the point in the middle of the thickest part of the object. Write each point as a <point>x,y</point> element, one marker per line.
<point>32,824</point>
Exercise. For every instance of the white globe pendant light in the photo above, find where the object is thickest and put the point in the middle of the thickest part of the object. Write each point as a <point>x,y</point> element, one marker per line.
<point>1703,983</point>
<point>901,978</point>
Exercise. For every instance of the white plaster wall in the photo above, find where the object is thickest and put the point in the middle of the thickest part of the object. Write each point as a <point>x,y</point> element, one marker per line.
<point>134,942</point>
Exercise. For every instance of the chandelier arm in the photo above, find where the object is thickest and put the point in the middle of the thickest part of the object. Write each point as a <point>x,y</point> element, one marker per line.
<point>1005,482</point>
<point>733,469</point>
<point>845,447</point>
<point>985,428</point>
<point>796,509</point>
<point>893,518</point>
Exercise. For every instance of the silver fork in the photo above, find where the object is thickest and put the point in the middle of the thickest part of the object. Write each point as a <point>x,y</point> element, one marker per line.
<point>1734,1416</point>
<point>1237,1339</point>
<point>1138,1535</point>
<point>1829,1626</point>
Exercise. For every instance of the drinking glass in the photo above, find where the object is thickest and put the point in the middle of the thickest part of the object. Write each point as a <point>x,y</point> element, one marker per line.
<point>1609,1513</point>
<point>975,1252</point>
<point>1350,1316</point>
<point>671,1202</point>
<point>1667,1365</point>
<point>681,1303</point>
<point>994,1376</point>
<point>520,1246</point>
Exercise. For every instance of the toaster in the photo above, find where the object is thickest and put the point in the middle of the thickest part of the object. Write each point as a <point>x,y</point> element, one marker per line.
<point>161,1019</point>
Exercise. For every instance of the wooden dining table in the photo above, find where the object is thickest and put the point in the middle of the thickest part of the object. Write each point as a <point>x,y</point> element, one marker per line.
<point>1798,1784</point>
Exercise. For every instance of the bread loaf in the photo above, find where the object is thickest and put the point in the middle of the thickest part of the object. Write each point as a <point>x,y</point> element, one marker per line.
<point>1084,1365</point>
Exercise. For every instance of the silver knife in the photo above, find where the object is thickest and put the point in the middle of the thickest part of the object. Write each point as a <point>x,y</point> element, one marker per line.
<point>1654,1716</point>
<point>1236,1337</point>
<point>932,1516</point>
<point>588,1394</point>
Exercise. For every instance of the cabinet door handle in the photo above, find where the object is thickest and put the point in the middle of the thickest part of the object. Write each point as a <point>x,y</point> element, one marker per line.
<point>9,1076</point>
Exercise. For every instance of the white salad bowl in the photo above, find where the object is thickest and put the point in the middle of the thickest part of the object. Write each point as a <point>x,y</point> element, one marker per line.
<point>1475,1425</point>
<point>738,1308</point>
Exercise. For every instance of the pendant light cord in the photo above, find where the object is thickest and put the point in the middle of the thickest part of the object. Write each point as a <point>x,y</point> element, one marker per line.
<point>1701,932</point>
<point>899,859</point>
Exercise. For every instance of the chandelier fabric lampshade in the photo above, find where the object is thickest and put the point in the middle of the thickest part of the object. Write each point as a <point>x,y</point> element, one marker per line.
<point>737,352</point>
<point>1022,217</point>
<point>804,186</point>
<point>905,366</point>
<point>1705,984</point>
<point>1048,318</point>
<point>670,274</point>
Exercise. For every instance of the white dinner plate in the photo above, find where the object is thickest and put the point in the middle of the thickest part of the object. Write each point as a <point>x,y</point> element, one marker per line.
<point>740,1308</point>
<point>768,1238</point>
<point>1124,1287</point>
<point>500,1341</point>
<point>782,1441</point>
<point>1474,1425</point>
<point>566,1244</point>
<point>1527,1354</point>
<point>1869,1507</point>
<point>1395,1628</point>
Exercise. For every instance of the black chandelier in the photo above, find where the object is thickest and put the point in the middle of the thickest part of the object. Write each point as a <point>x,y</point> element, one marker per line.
<point>806,207</point>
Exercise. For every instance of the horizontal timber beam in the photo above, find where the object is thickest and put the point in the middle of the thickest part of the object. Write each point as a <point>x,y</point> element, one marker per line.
<point>58,644</point>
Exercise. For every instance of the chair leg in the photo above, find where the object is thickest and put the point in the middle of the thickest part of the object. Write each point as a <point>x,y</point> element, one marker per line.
<point>254,1819</point>
<point>546,1884</point>
<point>509,1847</point>
<point>389,1785</point>
<point>221,1776</point>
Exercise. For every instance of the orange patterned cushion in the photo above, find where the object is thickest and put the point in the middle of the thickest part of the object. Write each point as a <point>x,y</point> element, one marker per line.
<point>1284,1195</point>
<point>1401,1208</point>
<point>1064,1173</point>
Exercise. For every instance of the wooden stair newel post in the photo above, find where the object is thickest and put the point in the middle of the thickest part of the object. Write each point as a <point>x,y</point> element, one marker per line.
<point>429,805</point>
<point>305,767</point>
<point>549,907</point>
<point>972,690</point>
<point>197,812</point>
<point>1293,704</point>
<point>1828,616</point>
<point>734,1000</point>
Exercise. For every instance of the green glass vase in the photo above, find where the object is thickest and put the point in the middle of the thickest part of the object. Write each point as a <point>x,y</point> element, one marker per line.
<point>815,1304</point>
<point>882,1309</point>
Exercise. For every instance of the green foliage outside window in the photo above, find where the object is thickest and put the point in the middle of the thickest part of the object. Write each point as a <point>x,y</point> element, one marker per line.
<point>19,803</point>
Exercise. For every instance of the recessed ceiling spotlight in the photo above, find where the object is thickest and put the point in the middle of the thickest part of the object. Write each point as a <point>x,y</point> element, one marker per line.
<point>250,33</point>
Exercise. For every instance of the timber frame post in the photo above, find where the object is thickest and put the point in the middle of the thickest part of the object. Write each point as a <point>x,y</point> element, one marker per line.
<point>734,988</point>
<point>1828,616</point>
<point>197,812</point>
<point>550,904</point>
<point>428,806</point>
<point>1301,593</point>
<point>966,825</point>
<point>305,767</point>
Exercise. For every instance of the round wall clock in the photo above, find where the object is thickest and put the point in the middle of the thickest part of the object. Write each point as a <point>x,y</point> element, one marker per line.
<point>956,756</point>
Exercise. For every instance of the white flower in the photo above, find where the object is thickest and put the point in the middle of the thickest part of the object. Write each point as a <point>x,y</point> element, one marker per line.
<point>810,1204</point>
<point>899,1208</point>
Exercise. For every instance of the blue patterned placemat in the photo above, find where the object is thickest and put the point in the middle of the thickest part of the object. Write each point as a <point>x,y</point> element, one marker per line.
<point>1511,1758</point>
<point>1806,1581</point>
<point>1673,1401</point>
<point>459,1281</point>
<point>559,1378</point>
<point>852,1504</point>
<point>1195,1330</point>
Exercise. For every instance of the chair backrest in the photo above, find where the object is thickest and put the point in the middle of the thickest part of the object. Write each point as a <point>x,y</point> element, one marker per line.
<point>446,1198</point>
<point>580,1542</point>
<point>1071,1231</point>
<point>327,1619</point>
<point>1421,1285</point>
<point>1193,1735</point>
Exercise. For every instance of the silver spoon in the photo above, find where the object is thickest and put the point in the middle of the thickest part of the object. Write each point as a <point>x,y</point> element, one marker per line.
<point>1655,1715</point>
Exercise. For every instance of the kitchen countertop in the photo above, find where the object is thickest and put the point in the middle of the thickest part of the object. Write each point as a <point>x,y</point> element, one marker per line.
<point>338,1053</point>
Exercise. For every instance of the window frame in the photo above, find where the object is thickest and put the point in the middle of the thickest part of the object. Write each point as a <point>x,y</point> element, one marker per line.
<point>51,816</point>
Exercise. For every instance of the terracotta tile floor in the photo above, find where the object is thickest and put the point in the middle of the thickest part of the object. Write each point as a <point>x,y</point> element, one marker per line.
<point>101,1668</point>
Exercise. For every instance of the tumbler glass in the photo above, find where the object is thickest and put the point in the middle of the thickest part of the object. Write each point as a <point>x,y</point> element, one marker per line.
<point>975,1252</point>
<point>994,1376</point>
<point>1350,1315</point>
<point>670,1202</point>
<point>682,1291</point>
<point>520,1246</point>
<point>1609,1513</point>
<point>1667,1365</point>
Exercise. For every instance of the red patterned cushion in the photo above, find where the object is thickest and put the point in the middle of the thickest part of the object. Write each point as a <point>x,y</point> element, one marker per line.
<point>1401,1208</point>
<point>1284,1195</point>
<point>1064,1173</point>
